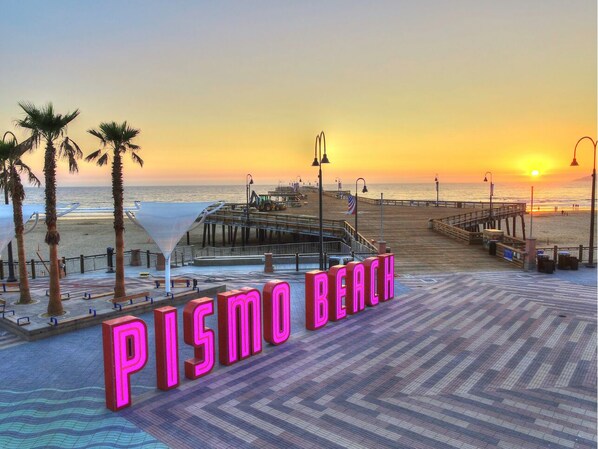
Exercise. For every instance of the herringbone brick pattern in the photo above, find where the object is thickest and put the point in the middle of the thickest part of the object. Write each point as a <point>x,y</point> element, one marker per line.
<point>468,361</point>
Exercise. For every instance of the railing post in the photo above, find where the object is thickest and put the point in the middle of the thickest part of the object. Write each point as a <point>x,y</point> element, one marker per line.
<point>147,253</point>
<point>64,266</point>
<point>296,261</point>
<point>325,261</point>
<point>580,253</point>
<point>555,255</point>
<point>32,268</point>
<point>82,263</point>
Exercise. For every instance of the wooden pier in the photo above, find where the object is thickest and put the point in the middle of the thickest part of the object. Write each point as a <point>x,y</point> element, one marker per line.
<point>425,237</point>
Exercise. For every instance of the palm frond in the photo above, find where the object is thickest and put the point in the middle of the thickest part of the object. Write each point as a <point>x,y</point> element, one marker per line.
<point>137,159</point>
<point>103,160</point>
<point>24,168</point>
<point>98,134</point>
<point>93,155</point>
<point>69,148</point>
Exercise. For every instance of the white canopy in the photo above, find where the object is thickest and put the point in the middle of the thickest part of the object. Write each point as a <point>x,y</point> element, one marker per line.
<point>7,222</point>
<point>166,223</point>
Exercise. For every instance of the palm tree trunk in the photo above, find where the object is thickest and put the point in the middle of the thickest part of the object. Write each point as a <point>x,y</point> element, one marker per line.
<point>119,226</point>
<point>52,235</point>
<point>18,193</point>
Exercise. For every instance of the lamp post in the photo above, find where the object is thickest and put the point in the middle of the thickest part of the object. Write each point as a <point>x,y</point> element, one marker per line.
<point>11,269</point>
<point>574,163</point>
<point>365,189</point>
<point>491,190</point>
<point>318,161</point>
<point>248,182</point>
<point>437,183</point>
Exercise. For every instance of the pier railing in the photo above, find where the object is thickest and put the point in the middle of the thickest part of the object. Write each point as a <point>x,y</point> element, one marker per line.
<point>277,222</point>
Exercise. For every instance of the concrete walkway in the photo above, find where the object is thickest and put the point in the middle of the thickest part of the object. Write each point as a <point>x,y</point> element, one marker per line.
<point>466,360</point>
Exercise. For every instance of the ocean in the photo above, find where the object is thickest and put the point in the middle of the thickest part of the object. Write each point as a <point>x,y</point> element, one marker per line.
<point>546,197</point>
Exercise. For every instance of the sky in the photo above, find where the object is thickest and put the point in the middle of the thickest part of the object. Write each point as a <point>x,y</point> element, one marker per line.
<point>402,89</point>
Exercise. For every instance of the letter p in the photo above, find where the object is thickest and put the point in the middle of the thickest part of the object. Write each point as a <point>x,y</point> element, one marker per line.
<point>125,352</point>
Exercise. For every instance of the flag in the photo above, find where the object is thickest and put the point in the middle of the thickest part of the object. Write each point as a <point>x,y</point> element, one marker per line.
<point>351,204</point>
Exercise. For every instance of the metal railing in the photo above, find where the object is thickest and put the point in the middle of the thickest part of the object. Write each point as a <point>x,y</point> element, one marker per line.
<point>581,252</point>
<point>285,248</point>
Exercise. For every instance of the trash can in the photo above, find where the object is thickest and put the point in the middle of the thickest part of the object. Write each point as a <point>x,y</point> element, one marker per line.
<point>573,263</point>
<point>549,266</point>
<point>135,258</point>
<point>492,247</point>
<point>334,260</point>
<point>564,260</point>
<point>541,262</point>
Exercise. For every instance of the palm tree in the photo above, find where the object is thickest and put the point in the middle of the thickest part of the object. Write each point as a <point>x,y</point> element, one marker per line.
<point>116,138</point>
<point>13,167</point>
<point>48,126</point>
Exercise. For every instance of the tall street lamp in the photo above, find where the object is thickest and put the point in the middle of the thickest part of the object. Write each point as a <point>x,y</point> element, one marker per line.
<point>491,190</point>
<point>365,189</point>
<point>248,182</point>
<point>436,181</point>
<point>574,163</point>
<point>11,269</point>
<point>318,161</point>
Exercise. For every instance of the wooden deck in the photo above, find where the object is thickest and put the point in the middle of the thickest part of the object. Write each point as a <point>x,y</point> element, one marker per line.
<point>417,249</point>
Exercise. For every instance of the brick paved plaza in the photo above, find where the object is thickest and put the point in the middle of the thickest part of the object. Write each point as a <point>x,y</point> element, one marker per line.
<point>499,359</point>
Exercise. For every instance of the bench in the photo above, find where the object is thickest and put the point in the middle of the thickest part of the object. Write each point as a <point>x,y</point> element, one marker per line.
<point>117,301</point>
<point>63,296</point>
<point>97,295</point>
<point>20,321</point>
<point>54,321</point>
<point>7,285</point>
<point>185,281</point>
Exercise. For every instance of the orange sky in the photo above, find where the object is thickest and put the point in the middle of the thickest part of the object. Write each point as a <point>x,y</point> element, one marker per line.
<point>403,90</point>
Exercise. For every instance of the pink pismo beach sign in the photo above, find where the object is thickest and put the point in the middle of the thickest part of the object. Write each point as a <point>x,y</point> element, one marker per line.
<point>246,317</point>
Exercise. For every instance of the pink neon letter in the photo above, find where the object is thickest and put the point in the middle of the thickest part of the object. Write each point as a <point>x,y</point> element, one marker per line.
<point>199,336</point>
<point>316,303</point>
<point>167,347</point>
<point>125,353</point>
<point>371,267</point>
<point>239,318</point>
<point>336,293</point>
<point>386,277</point>
<point>277,312</point>
<point>355,300</point>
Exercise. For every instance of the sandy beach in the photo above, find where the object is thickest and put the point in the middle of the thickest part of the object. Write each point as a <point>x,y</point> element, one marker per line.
<point>94,235</point>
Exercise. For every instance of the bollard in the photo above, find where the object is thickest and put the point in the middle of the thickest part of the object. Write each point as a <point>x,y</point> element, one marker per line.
<point>32,268</point>
<point>296,261</point>
<point>82,263</point>
<point>268,265</point>
<point>109,254</point>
